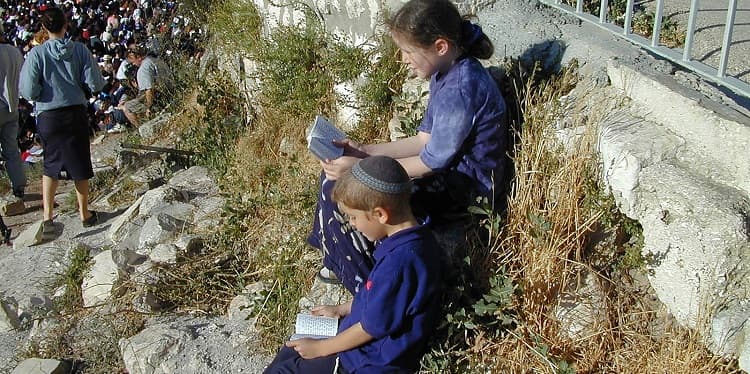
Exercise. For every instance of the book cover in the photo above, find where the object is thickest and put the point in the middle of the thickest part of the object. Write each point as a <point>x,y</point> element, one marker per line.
<point>320,139</point>
<point>314,327</point>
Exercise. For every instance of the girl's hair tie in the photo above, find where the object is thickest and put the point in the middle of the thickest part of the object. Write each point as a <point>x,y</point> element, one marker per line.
<point>382,174</point>
<point>470,32</point>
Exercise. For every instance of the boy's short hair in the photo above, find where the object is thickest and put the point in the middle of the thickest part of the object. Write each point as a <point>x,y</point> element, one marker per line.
<point>377,181</point>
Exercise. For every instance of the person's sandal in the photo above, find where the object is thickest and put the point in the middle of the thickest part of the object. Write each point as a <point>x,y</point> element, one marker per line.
<point>92,220</point>
<point>48,229</point>
<point>327,276</point>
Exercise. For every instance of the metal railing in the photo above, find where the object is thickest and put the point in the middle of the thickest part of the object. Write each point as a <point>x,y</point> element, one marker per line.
<point>717,75</point>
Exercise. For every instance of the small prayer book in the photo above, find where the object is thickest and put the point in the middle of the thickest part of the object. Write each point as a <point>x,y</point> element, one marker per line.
<point>320,139</point>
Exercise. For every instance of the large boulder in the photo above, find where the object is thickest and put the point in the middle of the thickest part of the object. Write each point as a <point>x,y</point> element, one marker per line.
<point>680,169</point>
<point>186,345</point>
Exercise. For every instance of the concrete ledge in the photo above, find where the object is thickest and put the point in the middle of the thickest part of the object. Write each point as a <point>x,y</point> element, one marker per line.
<point>717,139</point>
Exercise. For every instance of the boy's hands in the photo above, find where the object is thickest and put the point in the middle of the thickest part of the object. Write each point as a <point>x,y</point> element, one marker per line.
<point>308,348</point>
<point>335,311</point>
<point>336,168</point>
<point>327,311</point>
<point>353,151</point>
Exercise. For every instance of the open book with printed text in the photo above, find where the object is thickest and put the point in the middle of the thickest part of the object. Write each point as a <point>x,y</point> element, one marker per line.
<point>320,139</point>
<point>315,327</point>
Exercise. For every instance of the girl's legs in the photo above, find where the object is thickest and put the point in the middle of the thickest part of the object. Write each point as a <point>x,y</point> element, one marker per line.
<point>346,251</point>
<point>49,187</point>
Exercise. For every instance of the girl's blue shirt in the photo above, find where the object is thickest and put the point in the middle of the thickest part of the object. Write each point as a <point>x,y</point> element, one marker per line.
<point>466,119</point>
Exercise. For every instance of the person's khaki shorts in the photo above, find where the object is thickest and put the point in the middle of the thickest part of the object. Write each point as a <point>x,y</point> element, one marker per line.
<point>136,106</point>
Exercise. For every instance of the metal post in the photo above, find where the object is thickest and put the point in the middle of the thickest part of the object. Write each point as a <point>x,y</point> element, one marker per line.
<point>657,23</point>
<point>722,71</point>
<point>579,6</point>
<point>687,51</point>
<point>627,27</point>
<point>603,11</point>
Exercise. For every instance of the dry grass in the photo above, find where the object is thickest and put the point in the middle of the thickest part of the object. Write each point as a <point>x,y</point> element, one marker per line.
<point>543,248</point>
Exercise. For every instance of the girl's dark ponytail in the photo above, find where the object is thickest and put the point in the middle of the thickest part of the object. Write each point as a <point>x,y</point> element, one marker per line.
<point>474,42</point>
<point>424,21</point>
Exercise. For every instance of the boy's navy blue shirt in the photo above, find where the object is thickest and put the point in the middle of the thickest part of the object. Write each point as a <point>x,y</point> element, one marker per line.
<point>465,117</point>
<point>399,304</point>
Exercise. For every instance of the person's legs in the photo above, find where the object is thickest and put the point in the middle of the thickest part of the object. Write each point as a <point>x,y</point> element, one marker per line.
<point>132,117</point>
<point>288,361</point>
<point>10,152</point>
<point>133,109</point>
<point>346,251</point>
<point>49,187</point>
<point>82,194</point>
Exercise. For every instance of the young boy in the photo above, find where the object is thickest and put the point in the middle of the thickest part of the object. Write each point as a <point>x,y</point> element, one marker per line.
<point>386,326</point>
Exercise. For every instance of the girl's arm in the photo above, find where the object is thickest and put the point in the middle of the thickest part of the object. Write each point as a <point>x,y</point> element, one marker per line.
<point>414,166</point>
<point>406,151</point>
<point>352,337</point>
<point>401,148</point>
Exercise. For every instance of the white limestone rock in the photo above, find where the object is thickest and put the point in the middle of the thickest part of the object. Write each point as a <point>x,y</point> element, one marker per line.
<point>728,331</point>
<point>694,232</point>
<point>165,253</point>
<point>151,350</point>
<point>8,316</point>
<point>41,366</point>
<point>627,144</point>
<point>324,294</point>
<point>29,237</point>
<point>98,283</point>
<point>158,229</point>
<point>580,309</point>
<point>149,129</point>
<point>119,229</point>
<point>158,198</point>
<point>189,243</point>
<point>190,346</point>
<point>242,306</point>
<point>196,181</point>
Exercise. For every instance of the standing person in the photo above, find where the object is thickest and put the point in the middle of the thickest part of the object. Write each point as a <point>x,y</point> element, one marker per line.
<point>459,151</point>
<point>57,75</point>
<point>154,82</point>
<point>11,61</point>
<point>386,326</point>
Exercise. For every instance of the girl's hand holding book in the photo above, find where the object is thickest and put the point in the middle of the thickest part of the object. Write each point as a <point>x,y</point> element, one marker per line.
<point>351,148</point>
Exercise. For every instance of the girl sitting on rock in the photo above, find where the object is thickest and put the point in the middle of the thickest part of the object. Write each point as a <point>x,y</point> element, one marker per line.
<point>459,151</point>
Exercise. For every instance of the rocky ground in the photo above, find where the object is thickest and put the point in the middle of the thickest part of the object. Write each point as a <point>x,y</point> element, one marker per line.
<point>167,221</point>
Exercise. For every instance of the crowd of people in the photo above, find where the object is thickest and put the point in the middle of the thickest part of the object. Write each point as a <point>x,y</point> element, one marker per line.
<point>70,69</point>
<point>115,31</point>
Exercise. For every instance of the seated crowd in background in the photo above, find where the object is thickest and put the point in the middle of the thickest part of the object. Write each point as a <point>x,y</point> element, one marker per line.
<point>112,30</point>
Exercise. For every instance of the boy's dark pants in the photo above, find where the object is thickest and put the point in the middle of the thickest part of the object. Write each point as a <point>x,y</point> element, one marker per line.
<point>288,361</point>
